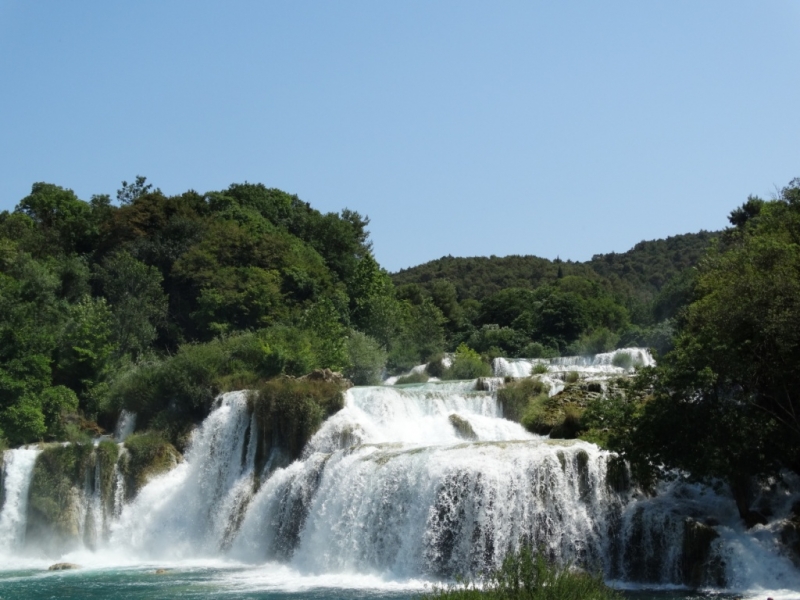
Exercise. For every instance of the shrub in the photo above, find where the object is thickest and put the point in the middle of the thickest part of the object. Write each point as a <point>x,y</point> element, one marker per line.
<point>289,411</point>
<point>517,395</point>
<point>499,341</point>
<point>539,369</point>
<point>367,359</point>
<point>52,501</point>
<point>599,340</point>
<point>467,364</point>
<point>412,378</point>
<point>169,394</point>
<point>435,367</point>
<point>572,377</point>
<point>535,417</point>
<point>524,575</point>
<point>624,360</point>
<point>149,454</point>
<point>537,350</point>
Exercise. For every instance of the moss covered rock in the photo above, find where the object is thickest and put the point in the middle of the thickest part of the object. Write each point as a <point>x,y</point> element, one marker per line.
<point>146,456</point>
<point>699,565</point>
<point>290,410</point>
<point>60,475</point>
<point>463,429</point>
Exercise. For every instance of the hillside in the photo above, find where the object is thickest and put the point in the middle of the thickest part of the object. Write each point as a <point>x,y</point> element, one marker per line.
<point>641,272</point>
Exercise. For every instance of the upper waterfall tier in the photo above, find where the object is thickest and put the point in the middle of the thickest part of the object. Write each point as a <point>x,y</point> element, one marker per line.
<point>424,414</point>
<point>618,362</point>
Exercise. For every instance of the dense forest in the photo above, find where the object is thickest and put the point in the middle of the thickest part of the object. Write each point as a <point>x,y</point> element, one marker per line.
<point>155,304</point>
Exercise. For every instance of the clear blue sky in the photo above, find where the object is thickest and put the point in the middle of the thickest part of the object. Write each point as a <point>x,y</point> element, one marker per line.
<point>465,128</point>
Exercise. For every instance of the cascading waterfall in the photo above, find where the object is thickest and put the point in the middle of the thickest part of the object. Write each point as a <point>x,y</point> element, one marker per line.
<point>422,480</point>
<point>596,366</point>
<point>17,470</point>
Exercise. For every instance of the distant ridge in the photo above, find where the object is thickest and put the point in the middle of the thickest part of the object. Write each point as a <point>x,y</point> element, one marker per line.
<point>641,271</point>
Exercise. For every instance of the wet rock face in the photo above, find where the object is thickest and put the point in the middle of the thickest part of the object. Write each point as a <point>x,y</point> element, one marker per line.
<point>463,428</point>
<point>63,566</point>
<point>54,505</point>
<point>146,456</point>
<point>699,565</point>
<point>790,535</point>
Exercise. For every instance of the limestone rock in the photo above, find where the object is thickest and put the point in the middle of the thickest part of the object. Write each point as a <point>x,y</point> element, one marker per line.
<point>463,429</point>
<point>63,566</point>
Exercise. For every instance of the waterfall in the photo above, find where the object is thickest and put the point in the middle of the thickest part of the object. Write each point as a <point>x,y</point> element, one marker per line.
<point>16,480</point>
<point>618,362</point>
<point>126,424</point>
<point>188,511</point>
<point>425,480</point>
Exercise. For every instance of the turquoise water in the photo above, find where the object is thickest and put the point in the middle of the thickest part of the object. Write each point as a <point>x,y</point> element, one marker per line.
<point>228,584</point>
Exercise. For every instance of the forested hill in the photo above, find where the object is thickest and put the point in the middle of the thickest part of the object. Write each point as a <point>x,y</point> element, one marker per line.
<point>641,272</point>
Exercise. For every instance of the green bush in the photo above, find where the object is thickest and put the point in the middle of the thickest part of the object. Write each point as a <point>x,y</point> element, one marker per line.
<point>148,455</point>
<point>536,416</point>
<point>539,369</point>
<point>572,377</point>
<point>622,360</point>
<point>367,359</point>
<point>53,515</point>
<point>517,395</point>
<point>537,350</point>
<point>189,381</point>
<point>435,367</point>
<point>412,378</point>
<point>528,576</point>
<point>467,364</point>
<point>289,411</point>
<point>595,342</point>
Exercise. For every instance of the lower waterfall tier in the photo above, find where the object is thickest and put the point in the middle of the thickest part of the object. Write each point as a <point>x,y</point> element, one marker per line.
<point>424,481</point>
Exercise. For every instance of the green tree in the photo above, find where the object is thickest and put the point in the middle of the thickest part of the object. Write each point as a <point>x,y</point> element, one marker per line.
<point>725,401</point>
<point>65,221</point>
<point>130,192</point>
<point>139,304</point>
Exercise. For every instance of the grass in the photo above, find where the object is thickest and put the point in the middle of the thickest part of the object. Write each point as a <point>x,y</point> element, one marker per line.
<point>539,369</point>
<point>517,396</point>
<point>528,576</point>
<point>572,377</point>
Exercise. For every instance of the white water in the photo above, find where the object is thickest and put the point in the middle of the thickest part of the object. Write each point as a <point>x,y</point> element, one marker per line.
<point>17,469</point>
<point>417,482</point>
<point>126,424</point>
<point>595,366</point>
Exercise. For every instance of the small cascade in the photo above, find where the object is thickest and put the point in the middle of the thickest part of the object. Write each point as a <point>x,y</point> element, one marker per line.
<point>126,425</point>
<point>188,511</point>
<point>17,471</point>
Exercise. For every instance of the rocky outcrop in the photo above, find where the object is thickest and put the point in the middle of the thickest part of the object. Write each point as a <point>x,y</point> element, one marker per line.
<point>146,456</point>
<point>700,566</point>
<point>463,429</point>
<point>63,566</point>
<point>55,498</point>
